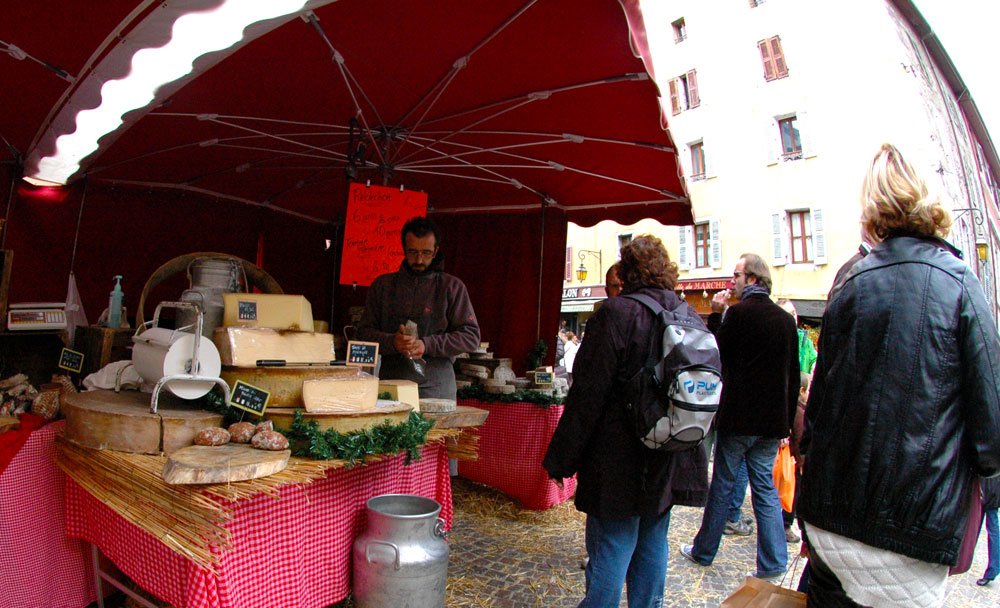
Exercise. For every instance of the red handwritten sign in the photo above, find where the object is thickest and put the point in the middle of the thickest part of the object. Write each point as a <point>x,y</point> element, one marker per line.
<point>375,216</point>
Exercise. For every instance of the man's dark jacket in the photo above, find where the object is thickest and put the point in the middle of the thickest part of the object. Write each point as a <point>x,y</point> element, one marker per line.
<point>904,407</point>
<point>759,346</point>
<point>619,477</point>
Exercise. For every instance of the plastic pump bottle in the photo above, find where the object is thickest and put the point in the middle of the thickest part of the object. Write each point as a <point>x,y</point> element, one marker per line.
<point>115,304</point>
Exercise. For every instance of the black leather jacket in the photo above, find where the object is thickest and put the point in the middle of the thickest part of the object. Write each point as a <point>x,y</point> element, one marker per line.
<point>905,407</point>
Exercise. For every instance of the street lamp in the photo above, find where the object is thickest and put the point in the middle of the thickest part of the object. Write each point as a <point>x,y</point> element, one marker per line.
<point>581,271</point>
<point>982,246</point>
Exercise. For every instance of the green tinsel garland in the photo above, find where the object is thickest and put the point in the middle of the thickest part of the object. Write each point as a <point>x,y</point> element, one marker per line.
<point>527,396</point>
<point>386,438</point>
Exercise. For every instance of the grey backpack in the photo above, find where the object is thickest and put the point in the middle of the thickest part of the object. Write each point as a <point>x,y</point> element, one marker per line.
<point>673,398</point>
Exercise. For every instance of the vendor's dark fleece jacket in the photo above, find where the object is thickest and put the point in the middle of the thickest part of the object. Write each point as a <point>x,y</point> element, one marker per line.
<point>439,304</point>
<point>617,476</point>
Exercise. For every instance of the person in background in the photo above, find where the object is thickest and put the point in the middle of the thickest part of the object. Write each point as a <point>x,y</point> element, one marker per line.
<point>991,502</point>
<point>612,283</point>
<point>571,346</point>
<point>807,351</point>
<point>420,291</point>
<point>626,489</point>
<point>904,408</point>
<point>760,382</point>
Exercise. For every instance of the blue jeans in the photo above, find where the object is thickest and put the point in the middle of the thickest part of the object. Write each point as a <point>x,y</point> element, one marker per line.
<point>739,493</point>
<point>993,544</point>
<point>630,551</point>
<point>759,452</point>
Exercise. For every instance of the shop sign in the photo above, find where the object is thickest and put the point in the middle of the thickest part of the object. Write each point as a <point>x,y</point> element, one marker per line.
<point>570,293</point>
<point>703,285</point>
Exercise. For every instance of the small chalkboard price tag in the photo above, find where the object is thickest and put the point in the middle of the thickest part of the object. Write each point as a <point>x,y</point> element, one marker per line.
<point>71,360</point>
<point>362,354</point>
<point>246,310</point>
<point>250,398</point>
<point>543,377</point>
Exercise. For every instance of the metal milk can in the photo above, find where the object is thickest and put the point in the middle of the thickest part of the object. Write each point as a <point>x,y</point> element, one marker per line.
<point>401,559</point>
<point>209,279</point>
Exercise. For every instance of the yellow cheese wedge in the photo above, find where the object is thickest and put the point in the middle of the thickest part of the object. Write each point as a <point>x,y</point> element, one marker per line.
<point>351,394</point>
<point>277,311</point>
<point>404,391</point>
<point>245,346</point>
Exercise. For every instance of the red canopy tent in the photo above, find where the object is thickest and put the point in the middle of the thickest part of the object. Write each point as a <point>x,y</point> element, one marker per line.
<point>515,116</point>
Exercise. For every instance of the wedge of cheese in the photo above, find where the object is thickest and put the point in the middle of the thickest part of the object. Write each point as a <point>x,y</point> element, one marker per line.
<point>404,391</point>
<point>356,393</point>
<point>277,311</point>
<point>245,346</point>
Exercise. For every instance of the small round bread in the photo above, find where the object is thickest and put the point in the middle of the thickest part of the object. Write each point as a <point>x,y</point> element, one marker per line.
<point>265,425</point>
<point>269,440</point>
<point>212,435</point>
<point>242,432</point>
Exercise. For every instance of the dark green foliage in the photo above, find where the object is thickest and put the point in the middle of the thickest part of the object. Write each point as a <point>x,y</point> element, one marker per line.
<point>527,396</point>
<point>537,355</point>
<point>307,440</point>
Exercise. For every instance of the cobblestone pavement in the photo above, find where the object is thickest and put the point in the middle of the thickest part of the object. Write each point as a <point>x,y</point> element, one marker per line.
<point>503,557</point>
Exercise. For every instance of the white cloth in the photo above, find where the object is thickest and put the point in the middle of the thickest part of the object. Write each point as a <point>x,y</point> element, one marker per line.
<point>570,356</point>
<point>878,578</point>
<point>105,377</point>
<point>75,315</point>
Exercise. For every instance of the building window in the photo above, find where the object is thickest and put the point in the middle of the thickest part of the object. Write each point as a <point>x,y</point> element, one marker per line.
<point>698,160</point>
<point>701,244</point>
<point>791,141</point>
<point>568,272</point>
<point>800,230</point>
<point>684,92</point>
<point>623,239</point>
<point>774,59</point>
<point>680,32</point>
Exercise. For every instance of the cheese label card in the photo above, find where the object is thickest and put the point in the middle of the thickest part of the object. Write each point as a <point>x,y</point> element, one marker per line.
<point>362,353</point>
<point>250,398</point>
<point>543,377</point>
<point>71,360</point>
<point>247,310</point>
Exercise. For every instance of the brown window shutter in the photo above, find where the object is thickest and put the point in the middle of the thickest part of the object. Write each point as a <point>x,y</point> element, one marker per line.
<point>568,273</point>
<point>765,55</point>
<point>693,99</point>
<point>675,100</point>
<point>780,69</point>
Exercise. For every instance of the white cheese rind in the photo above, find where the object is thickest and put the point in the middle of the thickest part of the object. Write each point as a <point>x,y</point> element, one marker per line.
<point>277,311</point>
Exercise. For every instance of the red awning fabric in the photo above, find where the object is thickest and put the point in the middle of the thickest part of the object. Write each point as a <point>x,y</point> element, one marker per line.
<point>500,108</point>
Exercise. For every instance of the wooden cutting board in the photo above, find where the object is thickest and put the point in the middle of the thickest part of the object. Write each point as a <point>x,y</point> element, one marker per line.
<point>463,416</point>
<point>222,463</point>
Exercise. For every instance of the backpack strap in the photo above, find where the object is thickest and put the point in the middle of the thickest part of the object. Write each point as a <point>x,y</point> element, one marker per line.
<point>647,301</point>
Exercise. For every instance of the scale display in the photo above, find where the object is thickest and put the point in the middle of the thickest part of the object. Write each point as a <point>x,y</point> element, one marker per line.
<point>36,316</point>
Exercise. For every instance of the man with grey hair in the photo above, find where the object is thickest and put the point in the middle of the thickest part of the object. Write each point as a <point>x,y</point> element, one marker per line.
<point>760,379</point>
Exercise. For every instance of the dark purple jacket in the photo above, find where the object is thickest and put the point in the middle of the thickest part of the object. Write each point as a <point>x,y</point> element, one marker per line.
<point>759,346</point>
<point>617,476</point>
<point>439,304</point>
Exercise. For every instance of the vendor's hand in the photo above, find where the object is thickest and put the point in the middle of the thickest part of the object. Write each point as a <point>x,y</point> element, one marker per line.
<point>402,342</point>
<point>804,550</point>
<point>418,349</point>
<point>720,301</point>
<point>783,443</point>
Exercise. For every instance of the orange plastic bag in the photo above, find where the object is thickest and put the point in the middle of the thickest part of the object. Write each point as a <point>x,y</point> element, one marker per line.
<point>784,477</point>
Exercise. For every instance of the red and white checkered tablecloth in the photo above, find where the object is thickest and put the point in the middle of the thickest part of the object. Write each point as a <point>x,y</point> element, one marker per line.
<point>292,551</point>
<point>42,567</point>
<point>512,444</point>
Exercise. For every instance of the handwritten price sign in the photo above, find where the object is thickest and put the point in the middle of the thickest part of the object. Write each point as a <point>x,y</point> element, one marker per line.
<point>375,217</point>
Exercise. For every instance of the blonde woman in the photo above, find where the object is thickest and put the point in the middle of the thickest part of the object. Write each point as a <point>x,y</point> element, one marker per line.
<point>904,409</point>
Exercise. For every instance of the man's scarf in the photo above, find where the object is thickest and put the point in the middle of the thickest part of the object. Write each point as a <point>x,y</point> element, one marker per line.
<point>754,288</point>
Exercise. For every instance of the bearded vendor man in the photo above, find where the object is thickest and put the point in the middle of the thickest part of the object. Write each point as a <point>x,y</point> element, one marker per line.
<point>437,302</point>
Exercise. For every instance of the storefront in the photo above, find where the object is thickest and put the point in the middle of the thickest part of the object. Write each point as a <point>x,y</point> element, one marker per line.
<point>578,303</point>
<point>698,293</point>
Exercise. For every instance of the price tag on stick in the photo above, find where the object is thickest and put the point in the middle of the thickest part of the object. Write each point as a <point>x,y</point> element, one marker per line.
<point>362,354</point>
<point>249,398</point>
<point>71,360</point>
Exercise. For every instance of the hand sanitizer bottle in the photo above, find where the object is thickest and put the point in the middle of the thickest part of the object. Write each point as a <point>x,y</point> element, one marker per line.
<point>115,304</point>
